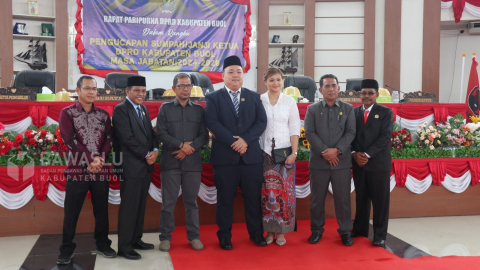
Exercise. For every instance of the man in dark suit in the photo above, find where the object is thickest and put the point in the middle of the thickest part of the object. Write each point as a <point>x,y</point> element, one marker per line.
<point>372,163</point>
<point>135,146</point>
<point>236,118</point>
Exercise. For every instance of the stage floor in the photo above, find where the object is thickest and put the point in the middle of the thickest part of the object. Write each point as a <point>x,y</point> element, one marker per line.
<point>408,238</point>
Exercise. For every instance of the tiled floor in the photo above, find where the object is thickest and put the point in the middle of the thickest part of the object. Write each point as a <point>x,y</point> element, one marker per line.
<point>408,238</point>
<point>440,236</point>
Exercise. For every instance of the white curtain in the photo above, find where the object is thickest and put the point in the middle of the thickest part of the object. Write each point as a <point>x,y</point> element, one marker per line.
<point>20,126</point>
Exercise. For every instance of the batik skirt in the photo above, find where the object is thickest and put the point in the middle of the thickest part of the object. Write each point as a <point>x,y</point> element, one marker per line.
<point>278,196</point>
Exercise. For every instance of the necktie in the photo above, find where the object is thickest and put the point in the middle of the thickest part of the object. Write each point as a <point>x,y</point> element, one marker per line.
<point>365,117</point>
<point>235,101</point>
<point>140,116</point>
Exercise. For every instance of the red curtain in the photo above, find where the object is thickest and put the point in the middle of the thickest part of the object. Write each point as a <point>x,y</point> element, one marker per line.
<point>459,5</point>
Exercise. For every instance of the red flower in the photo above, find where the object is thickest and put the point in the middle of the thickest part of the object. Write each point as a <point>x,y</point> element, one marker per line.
<point>53,148</point>
<point>5,148</point>
<point>395,134</point>
<point>30,133</point>
<point>2,127</point>
<point>31,141</point>
<point>19,138</point>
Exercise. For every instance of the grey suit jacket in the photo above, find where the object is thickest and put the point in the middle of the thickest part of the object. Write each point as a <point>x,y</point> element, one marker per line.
<point>330,127</point>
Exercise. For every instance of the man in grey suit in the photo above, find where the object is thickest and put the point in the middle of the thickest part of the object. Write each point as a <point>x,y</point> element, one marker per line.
<point>181,129</point>
<point>330,129</point>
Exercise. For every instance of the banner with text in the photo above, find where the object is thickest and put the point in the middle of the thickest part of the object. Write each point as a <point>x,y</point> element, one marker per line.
<point>162,35</point>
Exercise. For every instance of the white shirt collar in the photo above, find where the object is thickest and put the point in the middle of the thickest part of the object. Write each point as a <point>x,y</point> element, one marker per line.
<point>238,91</point>
<point>369,109</point>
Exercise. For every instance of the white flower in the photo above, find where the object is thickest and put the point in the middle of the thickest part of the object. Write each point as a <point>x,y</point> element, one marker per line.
<point>419,130</point>
<point>40,141</point>
<point>49,136</point>
<point>431,147</point>
<point>427,141</point>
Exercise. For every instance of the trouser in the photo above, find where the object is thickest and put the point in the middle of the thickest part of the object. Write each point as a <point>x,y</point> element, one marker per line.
<point>249,177</point>
<point>341,182</point>
<point>372,188</point>
<point>75,193</point>
<point>131,215</point>
<point>171,182</point>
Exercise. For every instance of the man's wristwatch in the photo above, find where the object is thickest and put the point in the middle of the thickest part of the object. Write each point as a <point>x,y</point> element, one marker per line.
<point>296,153</point>
<point>338,151</point>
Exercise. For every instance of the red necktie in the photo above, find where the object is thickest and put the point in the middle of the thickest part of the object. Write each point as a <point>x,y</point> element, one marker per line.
<point>365,117</point>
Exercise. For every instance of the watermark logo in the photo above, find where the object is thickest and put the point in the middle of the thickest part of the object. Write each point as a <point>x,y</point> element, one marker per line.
<point>20,173</point>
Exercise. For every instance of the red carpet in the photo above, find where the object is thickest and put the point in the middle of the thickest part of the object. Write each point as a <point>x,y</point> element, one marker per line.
<point>329,253</point>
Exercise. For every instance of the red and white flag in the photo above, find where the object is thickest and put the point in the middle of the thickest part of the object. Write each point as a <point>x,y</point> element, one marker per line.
<point>473,95</point>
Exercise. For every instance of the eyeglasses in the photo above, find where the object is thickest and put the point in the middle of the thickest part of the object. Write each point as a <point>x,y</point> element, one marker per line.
<point>184,86</point>
<point>362,93</point>
<point>90,89</point>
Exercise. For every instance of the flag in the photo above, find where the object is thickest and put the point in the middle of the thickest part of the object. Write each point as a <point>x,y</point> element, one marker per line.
<point>473,95</point>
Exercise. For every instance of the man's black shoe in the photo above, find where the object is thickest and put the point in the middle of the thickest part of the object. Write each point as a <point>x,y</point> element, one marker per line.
<point>142,245</point>
<point>314,238</point>
<point>225,243</point>
<point>106,252</point>
<point>259,240</point>
<point>379,243</point>
<point>347,240</point>
<point>130,255</point>
<point>64,258</point>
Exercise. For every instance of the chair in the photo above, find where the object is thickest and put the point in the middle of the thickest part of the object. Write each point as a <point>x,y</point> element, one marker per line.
<point>354,84</point>
<point>157,94</point>
<point>305,84</point>
<point>202,80</point>
<point>35,80</point>
<point>118,80</point>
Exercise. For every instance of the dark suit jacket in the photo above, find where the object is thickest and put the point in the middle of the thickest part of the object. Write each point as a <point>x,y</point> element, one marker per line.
<point>222,121</point>
<point>130,142</point>
<point>374,137</point>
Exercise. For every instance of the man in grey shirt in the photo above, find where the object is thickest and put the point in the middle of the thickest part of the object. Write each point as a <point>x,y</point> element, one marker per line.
<point>181,129</point>
<point>330,129</point>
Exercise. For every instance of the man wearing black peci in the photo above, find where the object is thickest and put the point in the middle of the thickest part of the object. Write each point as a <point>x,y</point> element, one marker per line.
<point>372,163</point>
<point>236,118</point>
<point>135,144</point>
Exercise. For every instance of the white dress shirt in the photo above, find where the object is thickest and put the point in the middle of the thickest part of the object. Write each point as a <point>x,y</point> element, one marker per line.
<point>283,121</point>
<point>239,91</point>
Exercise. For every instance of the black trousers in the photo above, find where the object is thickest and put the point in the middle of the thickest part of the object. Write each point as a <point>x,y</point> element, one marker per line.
<point>227,178</point>
<point>75,193</point>
<point>131,215</point>
<point>372,188</point>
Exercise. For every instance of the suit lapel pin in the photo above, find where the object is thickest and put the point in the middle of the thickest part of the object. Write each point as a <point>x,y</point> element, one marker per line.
<point>242,99</point>
<point>321,113</point>
<point>341,113</point>
<point>376,116</point>
<point>143,113</point>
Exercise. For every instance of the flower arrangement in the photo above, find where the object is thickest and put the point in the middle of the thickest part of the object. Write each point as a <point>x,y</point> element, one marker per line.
<point>302,141</point>
<point>474,129</point>
<point>34,144</point>
<point>400,138</point>
<point>452,133</point>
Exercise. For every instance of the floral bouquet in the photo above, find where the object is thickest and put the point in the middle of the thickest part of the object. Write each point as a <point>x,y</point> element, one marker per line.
<point>302,141</point>
<point>452,133</point>
<point>400,138</point>
<point>33,143</point>
<point>474,129</point>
